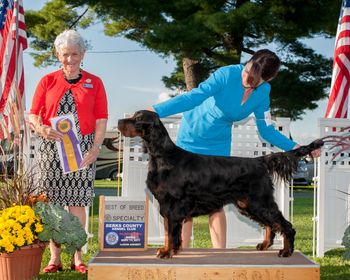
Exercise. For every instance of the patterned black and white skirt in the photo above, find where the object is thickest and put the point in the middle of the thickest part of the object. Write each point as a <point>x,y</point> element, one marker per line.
<point>71,189</point>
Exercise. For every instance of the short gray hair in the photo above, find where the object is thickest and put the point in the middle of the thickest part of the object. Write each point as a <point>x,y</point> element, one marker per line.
<point>69,38</point>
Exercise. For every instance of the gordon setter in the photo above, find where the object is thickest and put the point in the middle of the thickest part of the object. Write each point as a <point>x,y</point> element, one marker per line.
<point>189,185</point>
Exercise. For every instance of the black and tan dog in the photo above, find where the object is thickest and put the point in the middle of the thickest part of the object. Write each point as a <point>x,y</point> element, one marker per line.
<point>188,185</point>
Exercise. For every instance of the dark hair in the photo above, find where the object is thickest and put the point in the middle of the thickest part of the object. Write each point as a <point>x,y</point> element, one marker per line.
<point>264,64</point>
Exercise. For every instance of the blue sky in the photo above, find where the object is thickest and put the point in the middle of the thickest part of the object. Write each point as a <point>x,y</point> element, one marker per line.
<point>133,79</point>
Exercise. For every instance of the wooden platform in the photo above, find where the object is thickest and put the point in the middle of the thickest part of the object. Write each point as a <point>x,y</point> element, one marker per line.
<point>203,264</point>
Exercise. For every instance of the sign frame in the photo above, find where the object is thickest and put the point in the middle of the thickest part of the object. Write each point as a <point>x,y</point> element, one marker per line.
<point>104,200</point>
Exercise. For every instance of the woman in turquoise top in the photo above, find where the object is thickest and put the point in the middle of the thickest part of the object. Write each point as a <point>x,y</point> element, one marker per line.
<point>230,94</point>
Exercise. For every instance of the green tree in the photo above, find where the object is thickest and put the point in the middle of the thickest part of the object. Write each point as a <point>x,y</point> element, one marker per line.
<point>202,35</point>
<point>43,26</point>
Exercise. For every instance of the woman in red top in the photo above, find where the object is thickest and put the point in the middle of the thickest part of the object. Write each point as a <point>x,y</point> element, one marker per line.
<point>69,90</point>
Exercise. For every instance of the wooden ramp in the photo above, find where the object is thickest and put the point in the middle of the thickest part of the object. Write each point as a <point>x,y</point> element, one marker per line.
<point>202,264</point>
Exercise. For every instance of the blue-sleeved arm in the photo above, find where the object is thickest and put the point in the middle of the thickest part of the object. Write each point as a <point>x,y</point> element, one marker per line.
<point>193,98</point>
<point>267,130</point>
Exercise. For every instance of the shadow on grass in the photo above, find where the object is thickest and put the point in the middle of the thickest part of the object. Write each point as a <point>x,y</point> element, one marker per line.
<point>334,266</point>
<point>63,275</point>
<point>329,272</point>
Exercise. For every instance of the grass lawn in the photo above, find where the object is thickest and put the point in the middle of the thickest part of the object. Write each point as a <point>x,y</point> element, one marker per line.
<point>107,183</point>
<point>333,267</point>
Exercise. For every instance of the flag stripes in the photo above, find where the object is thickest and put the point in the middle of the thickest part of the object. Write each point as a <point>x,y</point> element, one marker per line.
<point>10,81</point>
<point>338,98</point>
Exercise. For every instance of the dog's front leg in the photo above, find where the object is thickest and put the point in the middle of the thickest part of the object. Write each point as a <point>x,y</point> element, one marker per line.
<point>172,240</point>
<point>166,251</point>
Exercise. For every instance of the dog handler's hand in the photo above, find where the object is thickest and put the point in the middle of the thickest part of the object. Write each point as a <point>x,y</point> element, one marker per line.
<point>316,153</point>
<point>90,157</point>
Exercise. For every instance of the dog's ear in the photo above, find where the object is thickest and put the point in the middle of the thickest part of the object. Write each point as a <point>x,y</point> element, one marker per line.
<point>144,147</point>
<point>157,120</point>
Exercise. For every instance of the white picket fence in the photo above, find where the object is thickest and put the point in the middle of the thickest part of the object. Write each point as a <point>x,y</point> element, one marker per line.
<point>332,205</point>
<point>246,143</point>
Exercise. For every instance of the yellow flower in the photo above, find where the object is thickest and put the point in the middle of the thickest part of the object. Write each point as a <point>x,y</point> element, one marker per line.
<point>20,241</point>
<point>19,226</point>
<point>39,227</point>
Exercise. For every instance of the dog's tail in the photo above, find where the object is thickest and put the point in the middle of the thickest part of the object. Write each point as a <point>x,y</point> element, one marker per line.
<point>285,163</point>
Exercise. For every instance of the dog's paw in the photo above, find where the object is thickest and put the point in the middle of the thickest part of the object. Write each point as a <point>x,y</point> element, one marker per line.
<point>263,246</point>
<point>164,253</point>
<point>285,253</point>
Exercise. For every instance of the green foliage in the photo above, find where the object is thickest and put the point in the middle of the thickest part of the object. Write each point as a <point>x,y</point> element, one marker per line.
<point>214,33</point>
<point>346,243</point>
<point>60,226</point>
<point>43,26</point>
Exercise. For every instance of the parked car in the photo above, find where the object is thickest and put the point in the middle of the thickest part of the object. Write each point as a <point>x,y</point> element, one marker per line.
<point>107,161</point>
<point>310,168</point>
<point>301,176</point>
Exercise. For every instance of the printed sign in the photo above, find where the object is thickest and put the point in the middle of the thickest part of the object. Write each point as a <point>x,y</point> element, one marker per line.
<point>123,223</point>
<point>69,148</point>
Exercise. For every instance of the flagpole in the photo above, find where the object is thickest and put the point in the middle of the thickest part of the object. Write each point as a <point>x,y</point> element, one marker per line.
<point>16,57</point>
<point>16,151</point>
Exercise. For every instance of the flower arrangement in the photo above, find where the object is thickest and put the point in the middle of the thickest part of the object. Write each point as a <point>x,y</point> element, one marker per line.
<point>26,217</point>
<point>19,226</point>
<point>23,225</point>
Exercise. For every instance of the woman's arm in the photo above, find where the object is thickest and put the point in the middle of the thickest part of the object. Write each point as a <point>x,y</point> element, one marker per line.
<point>91,156</point>
<point>268,131</point>
<point>196,96</point>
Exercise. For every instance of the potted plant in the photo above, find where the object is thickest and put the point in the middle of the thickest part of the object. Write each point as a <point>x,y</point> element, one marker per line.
<point>19,243</point>
<point>27,219</point>
<point>24,231</point>
<point>346,243</point>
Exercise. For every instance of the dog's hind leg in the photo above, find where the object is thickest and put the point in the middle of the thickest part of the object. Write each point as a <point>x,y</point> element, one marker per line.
<point>280,224</point>
<point>288,238</point>
<point>268,239</point>
<point>172,241</point>
<point>269,214</point>
<point>243,206</point>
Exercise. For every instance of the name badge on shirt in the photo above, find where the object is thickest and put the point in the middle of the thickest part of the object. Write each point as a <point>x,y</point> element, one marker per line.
<point>88,85</point>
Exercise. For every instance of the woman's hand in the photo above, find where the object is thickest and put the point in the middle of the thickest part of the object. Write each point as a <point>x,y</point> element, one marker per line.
<point>90,157</point>
<point>49,133</point>
<point>316,153</point>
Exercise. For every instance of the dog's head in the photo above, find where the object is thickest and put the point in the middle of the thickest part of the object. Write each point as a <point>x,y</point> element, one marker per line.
<point>140,124</point>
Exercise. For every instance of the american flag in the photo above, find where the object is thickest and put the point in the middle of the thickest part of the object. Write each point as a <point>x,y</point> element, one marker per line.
<point>339,93</point>
<point>8,61</point>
